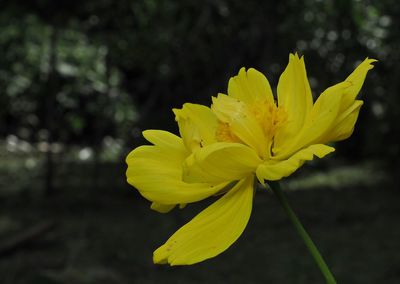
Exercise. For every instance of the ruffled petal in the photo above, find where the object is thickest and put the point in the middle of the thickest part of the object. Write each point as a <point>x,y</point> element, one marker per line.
<point>164,139</point>
<point>356,79</point>
<point>241,122</point>
<point>212,231</point>
<point>156,171</point>
<point>294,96</point>
<point>197,125</point>
<point>275,170</point>
<point>344,124</point>
<point>332,117</point>
<point>220,162</point>
<point>321,118</point>
<point>250,87</point>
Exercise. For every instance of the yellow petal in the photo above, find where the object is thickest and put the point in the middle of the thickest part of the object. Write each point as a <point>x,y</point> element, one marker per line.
<point>212,231</point>
<point>294,96</point>
<point>356,78</point>
<point>156,171</point>
<point>164,139</point>
<point>323,113</point>
<point>343,126</point>
<point>332,117</point>
<point>165,208</point>
<point>197,125</point>
<point>161,188</point>
<point>319,121</point>
<point>160,158</point>
<point>250,87</point>
<point>220,162</point>
<point>162,208</point>
<point>242,122</point>
<point>275,170</point>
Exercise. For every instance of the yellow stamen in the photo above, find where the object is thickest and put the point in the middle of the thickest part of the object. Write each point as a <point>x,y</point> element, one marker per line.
<point>266,113</point>
<point>270,117</point>
<point>224,133</point>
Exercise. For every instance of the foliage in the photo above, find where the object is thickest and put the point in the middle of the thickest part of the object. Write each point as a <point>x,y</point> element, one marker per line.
<point>119,67</point>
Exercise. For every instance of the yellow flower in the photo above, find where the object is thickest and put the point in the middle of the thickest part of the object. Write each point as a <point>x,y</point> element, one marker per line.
<point>220,151</point>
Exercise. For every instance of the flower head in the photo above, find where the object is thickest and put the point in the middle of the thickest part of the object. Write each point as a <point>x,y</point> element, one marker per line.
<point>246,134</point>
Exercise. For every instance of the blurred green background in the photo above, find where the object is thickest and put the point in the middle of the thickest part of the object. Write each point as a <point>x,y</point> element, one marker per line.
<point>80,80</point>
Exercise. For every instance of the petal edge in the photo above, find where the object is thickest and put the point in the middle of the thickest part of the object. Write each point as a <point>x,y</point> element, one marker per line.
<point>212,231</point>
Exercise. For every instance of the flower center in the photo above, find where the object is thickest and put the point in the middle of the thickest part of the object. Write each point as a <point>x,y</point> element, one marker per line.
<point>269,116</point>
<point>225,134</point>
<point>265,116</point>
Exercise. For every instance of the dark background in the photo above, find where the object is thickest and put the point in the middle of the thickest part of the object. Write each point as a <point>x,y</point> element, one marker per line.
<point>80,80</point>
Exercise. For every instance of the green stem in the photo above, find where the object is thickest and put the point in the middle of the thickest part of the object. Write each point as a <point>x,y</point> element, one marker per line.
<point>276,188</point>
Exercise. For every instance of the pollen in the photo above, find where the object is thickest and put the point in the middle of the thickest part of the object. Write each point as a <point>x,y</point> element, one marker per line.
<point>270,117</point>
<point>224,133</point>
